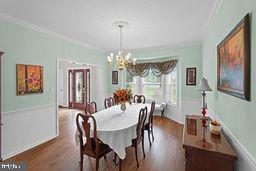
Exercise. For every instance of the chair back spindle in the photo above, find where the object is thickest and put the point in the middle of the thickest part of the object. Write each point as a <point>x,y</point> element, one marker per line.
<point>139,99</point>
<point>83,122</point>
<point>151,113</point>
<point>141,122</point>
<point>90,108</point>
<point>108,102</point>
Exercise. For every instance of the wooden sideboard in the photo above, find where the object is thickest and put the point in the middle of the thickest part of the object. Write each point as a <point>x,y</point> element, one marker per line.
<point>218,155</point>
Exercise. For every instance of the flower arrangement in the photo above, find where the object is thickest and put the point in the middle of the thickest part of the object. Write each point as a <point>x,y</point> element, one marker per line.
<point>122,96</point>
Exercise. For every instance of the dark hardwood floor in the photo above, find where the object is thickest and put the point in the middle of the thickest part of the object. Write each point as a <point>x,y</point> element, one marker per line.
<point>61,153</point>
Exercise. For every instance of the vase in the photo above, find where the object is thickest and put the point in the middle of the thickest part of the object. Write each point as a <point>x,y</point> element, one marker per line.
<point>123,107</point>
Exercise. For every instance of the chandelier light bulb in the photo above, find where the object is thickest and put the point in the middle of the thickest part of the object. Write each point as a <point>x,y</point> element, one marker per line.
<point>128,56</point>
<point>109,59</point>
<point>111,54</point>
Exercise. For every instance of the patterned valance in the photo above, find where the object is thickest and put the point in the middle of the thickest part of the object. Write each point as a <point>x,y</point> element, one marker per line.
<point>158,68</point>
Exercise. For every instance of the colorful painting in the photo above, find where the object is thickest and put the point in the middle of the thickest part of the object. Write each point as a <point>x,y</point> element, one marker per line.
<point>191,77</point>
<point>233,62</point>
<point>29,79</point>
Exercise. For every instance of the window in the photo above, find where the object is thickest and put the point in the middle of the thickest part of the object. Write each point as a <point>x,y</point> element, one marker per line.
<point>131,82</point>
<point>171,85</point>
<point>152,87</point>
<point>159,89</point>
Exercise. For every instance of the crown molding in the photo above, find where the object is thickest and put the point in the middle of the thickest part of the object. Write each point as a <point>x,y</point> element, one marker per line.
<point>212,16</point>
<point>34,27</point>
<point>164,47</point>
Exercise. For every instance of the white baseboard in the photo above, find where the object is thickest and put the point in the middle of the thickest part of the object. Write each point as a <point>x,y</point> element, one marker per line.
<point>28,147</point>
<point>246,162</point>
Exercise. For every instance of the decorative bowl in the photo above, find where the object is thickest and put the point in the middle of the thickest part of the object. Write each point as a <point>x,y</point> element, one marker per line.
<point>215,127</point>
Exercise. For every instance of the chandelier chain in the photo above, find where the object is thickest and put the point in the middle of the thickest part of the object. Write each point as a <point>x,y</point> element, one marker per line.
<point>121,37</point>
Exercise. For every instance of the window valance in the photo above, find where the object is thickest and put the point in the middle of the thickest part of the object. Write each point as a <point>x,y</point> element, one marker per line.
<point>158,68</point>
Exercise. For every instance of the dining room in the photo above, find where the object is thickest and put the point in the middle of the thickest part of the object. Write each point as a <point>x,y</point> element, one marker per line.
<point>127,85</point>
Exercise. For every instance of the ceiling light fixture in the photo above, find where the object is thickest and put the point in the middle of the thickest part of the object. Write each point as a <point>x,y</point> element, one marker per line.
<point>122,57</point>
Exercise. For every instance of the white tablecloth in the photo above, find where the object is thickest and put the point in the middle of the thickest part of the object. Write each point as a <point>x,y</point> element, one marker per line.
<point>116,128</point>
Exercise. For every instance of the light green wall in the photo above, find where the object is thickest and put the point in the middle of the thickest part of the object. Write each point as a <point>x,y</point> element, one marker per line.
<point>26,46</point>
<point>188,56</point>
<point>239,115</point>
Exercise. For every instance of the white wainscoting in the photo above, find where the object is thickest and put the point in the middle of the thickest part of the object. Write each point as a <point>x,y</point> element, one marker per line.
<point>186,106</point>
<point>174,113</point>
<point>246,162</point>
<point>27,128</point>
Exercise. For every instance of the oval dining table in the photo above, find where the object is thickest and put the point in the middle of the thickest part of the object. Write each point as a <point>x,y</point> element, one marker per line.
<point>117,128</point>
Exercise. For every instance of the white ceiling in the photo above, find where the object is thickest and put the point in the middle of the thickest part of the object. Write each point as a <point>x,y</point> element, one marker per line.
<point>153,23</point>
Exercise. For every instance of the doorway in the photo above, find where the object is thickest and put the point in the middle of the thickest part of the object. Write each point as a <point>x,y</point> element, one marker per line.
<point>77,84</point>
<point>79,88</point>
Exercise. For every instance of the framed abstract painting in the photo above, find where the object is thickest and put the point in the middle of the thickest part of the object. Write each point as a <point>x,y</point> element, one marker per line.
<point>191,77</point>
<point>233,70</point>
<point>29,79</point>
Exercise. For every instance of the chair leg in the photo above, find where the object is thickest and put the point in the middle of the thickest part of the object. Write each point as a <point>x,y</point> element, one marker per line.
<point>143,147</point>
<point>152,132</point>
<point>120,164</point>
<point>97,164</point>
<point>114,159</point>
<point>149,137</point>
<point>162,113</point>
<point>81,163</point>
<point>136,155</point>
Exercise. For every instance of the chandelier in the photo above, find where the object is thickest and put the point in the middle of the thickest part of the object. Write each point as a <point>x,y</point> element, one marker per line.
<point>122,57</point>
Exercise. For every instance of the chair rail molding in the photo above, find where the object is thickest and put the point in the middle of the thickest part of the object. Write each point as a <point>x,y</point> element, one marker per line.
<point>33,108</point>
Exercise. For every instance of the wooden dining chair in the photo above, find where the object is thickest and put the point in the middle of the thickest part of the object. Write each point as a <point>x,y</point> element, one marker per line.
<point>149,125</point>
<point>108,102</point>
<point>140,133</point>
<point>90,108</point>
<point>92,146</point>
<point>139,99</point>
<point>139,138</point>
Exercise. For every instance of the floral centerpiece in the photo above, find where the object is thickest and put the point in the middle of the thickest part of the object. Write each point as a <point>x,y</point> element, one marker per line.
<point>123,96</point>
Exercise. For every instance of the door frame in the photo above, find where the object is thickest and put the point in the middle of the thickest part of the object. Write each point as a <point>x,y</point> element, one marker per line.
<point>1,124</point>
<point>58,60</point>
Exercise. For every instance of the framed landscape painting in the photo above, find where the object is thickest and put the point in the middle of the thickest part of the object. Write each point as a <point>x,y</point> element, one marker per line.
<point>233,75</point>
<point>29,79</point>
<point>191,77</point>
